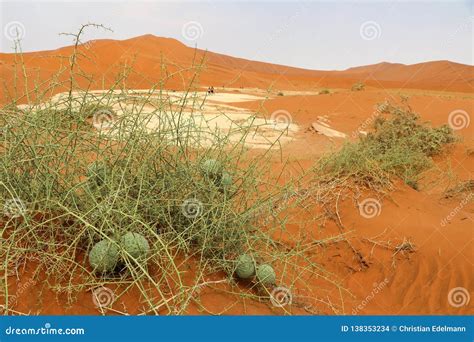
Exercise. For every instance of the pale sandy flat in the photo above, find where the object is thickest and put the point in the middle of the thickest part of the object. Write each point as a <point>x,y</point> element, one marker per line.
<point>204,119</point>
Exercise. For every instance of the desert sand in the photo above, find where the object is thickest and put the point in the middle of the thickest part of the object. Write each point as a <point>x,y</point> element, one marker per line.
<point>408,280</point>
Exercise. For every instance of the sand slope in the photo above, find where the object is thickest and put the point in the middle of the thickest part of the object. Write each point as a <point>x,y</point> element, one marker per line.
<point>154,59</point>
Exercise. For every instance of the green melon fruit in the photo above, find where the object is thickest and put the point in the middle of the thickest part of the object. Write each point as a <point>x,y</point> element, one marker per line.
<point>266,275</point>
<point>226,180</point>
<point>211,168</point>
<point>135,245</point>
<point>104,256</point>
<point>245,266</point>
<point>97,172</point>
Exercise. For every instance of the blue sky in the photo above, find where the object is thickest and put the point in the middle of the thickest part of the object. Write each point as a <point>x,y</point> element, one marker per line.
<point>322,35</point>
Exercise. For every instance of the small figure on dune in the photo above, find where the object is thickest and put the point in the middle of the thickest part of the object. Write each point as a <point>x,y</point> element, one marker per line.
<point>210,90</point>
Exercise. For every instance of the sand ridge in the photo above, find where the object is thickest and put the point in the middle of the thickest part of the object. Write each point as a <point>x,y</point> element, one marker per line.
<point>154,58</point>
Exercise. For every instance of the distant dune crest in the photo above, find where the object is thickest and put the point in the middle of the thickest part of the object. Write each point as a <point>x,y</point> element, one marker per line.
<point>149,54</point>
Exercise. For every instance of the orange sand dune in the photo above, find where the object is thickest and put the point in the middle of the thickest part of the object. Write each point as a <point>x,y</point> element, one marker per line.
<point>439,75</point>
<point>154,58</point>
<point>403,282</point>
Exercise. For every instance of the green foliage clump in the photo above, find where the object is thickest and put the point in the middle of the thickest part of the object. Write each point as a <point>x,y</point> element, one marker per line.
<point>104,256</point>
<point>402,128</point>
<point>245,266</point>
<point>97,172</point>
<point>358,86</point>
<point>266,275</point>
<point>398,144</point>
<point>324,91</point>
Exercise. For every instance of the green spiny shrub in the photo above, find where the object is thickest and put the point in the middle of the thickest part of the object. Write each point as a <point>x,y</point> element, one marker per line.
<point>324,91</point>
<point>141,179</point>
<point>398,144</point>
<point>97,172</point>
<point>358,86</point>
